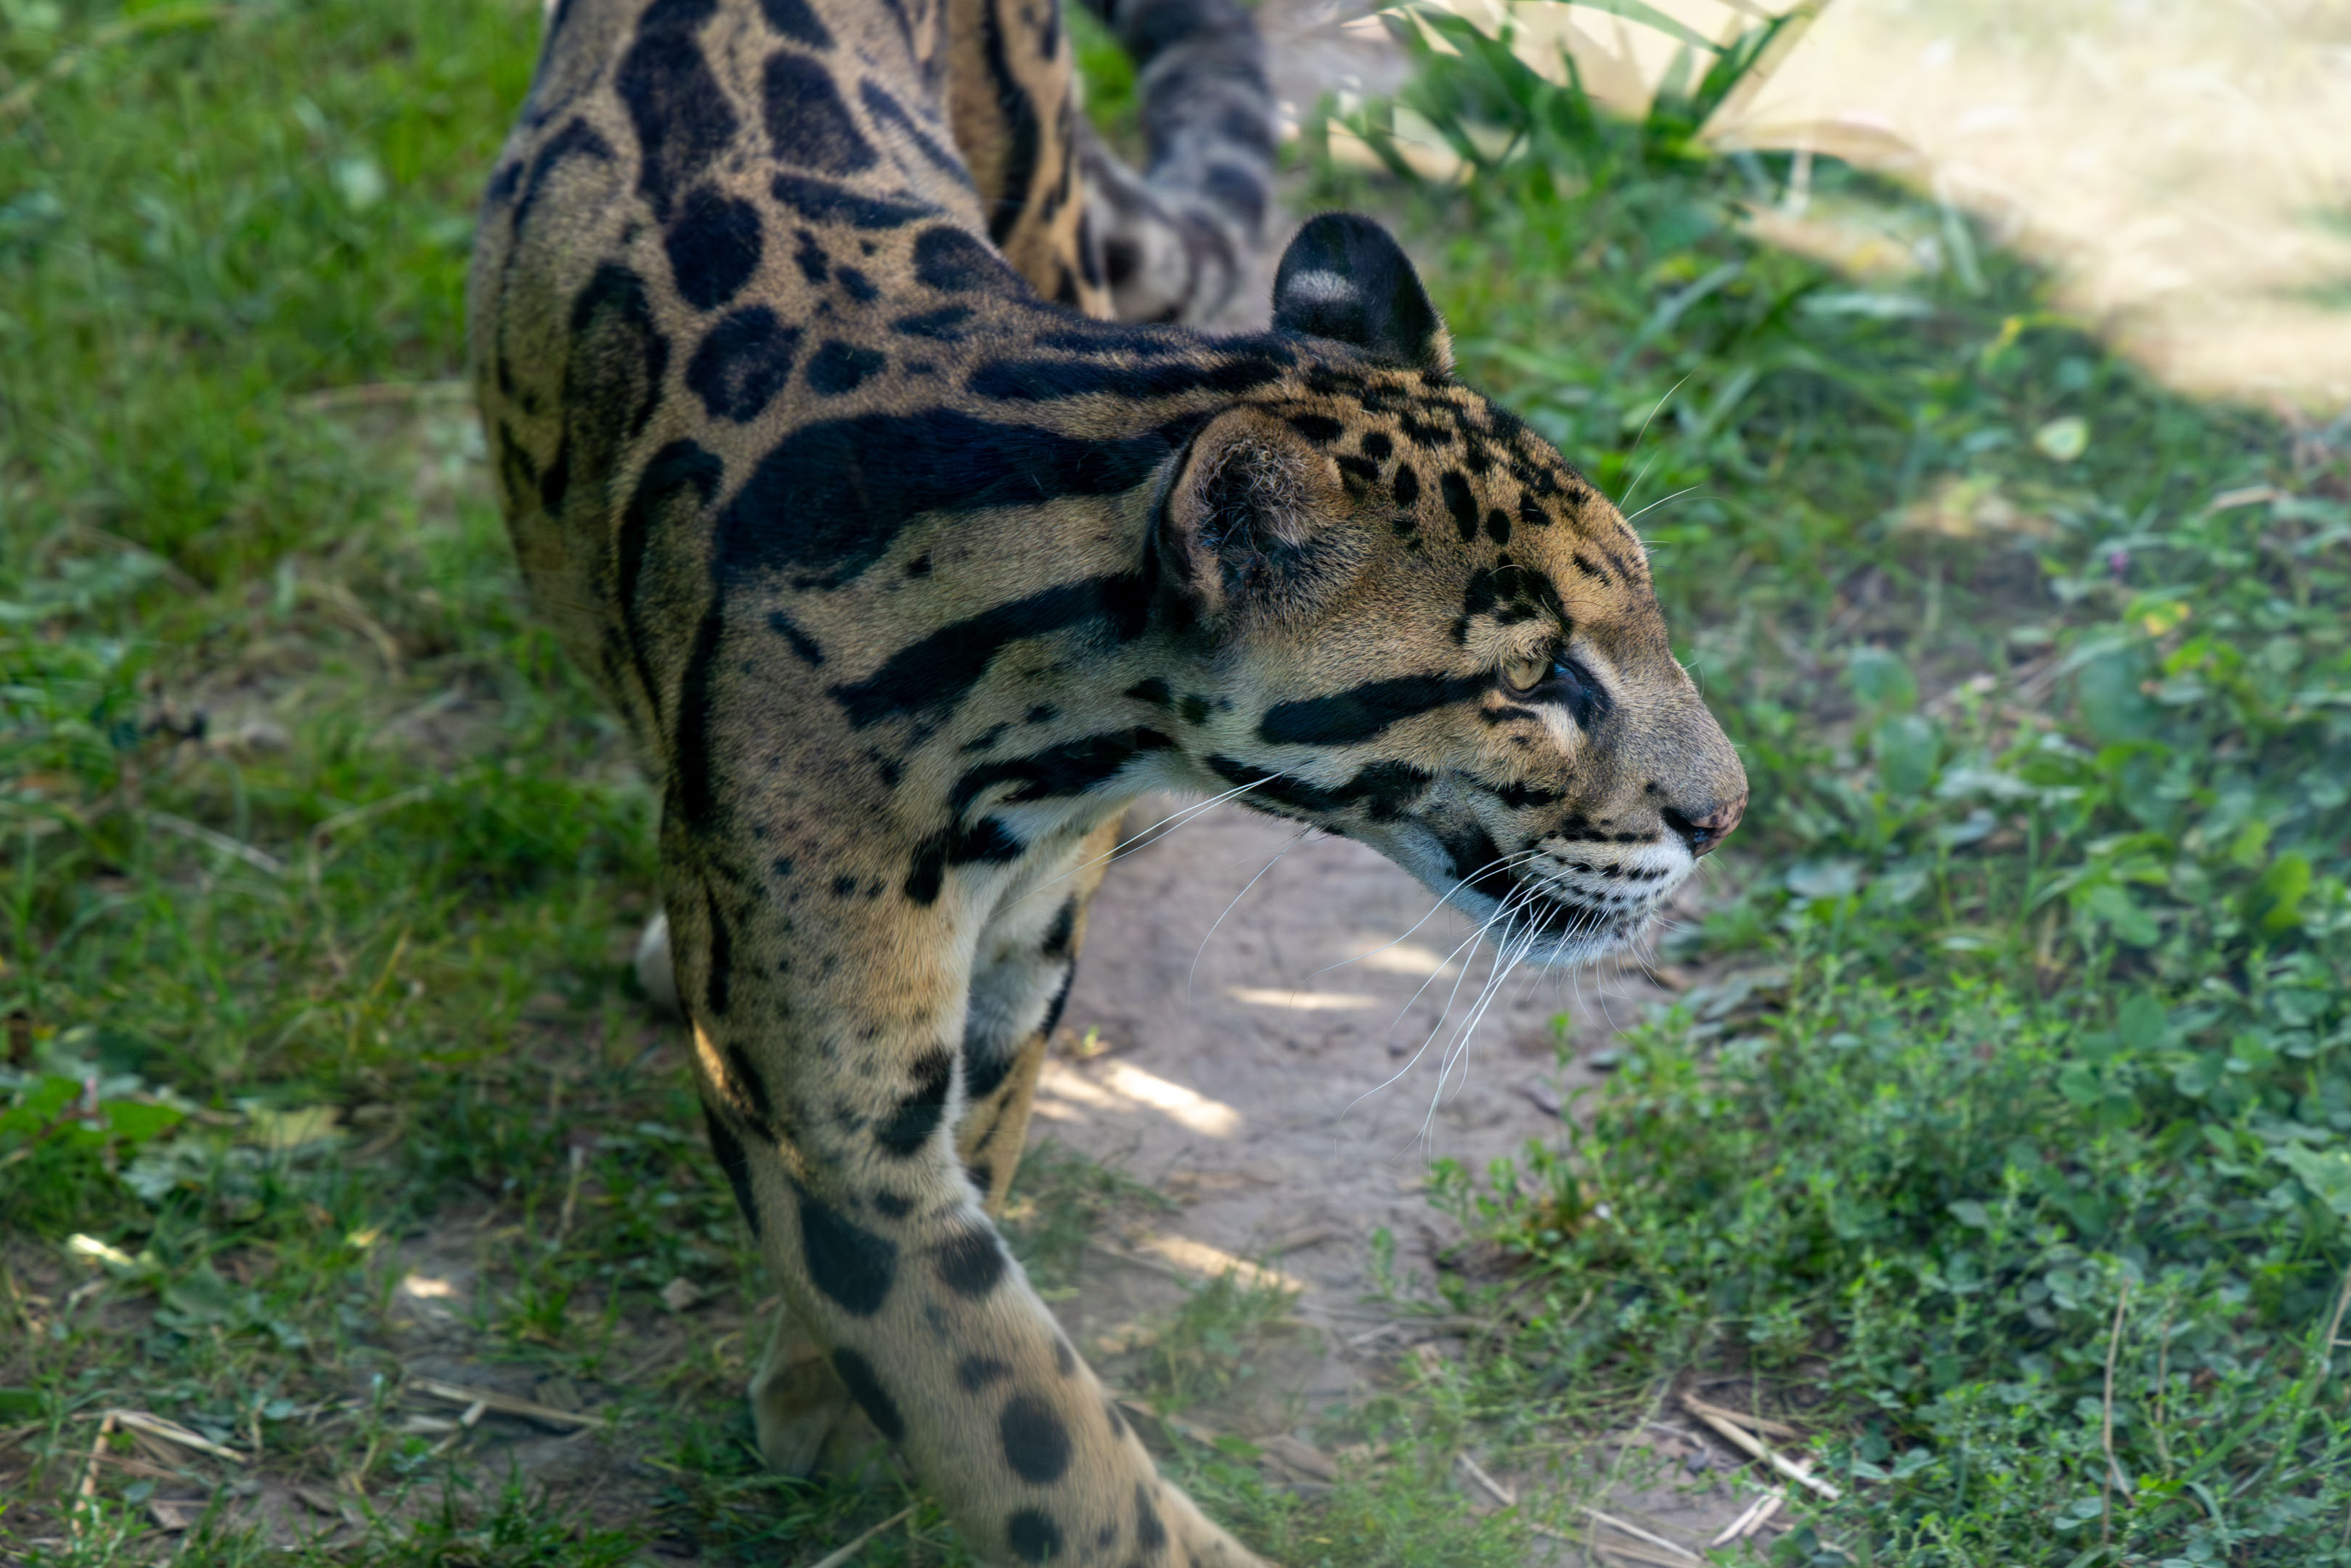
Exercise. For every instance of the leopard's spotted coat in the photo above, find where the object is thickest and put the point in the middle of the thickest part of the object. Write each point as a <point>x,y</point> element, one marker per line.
<point>908,574</point>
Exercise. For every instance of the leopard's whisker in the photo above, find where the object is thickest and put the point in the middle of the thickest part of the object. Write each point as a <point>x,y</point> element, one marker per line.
<point>1506,961</point>
<point>1297,840</point>
<point>1133,841</point>
<point>1413,1060</point>
<point>1444,901</point>
<point>1502,915</point>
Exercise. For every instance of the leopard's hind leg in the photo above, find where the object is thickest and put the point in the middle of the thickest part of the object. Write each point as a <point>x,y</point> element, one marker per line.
<point>1182,239</point>
<point>1012,101</point>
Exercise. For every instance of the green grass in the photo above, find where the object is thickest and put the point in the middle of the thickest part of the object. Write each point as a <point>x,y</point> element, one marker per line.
<point>2044,877</point>
<point>319,871</point>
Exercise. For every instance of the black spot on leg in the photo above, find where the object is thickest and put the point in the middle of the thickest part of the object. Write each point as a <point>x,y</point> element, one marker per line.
<point>807,122</point>
<point>971,1263</point>
<point>1149,1532</point>
<point>892,1206</point>
<point>1376,445</point>
<point>857,1375</point>
<point>1033,1536</point>
<point>1405,485</point>
<point>1497,526</point>
<point>735,1162</point>
<point>743,363</point>
<point>976,1372</point>
<point>1035,1443</point>
<point>578,139</point>
<point>908,1128</point>
<point>849,1263</point>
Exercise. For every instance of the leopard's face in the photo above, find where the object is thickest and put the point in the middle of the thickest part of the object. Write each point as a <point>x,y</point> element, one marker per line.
<point>1419,628</point>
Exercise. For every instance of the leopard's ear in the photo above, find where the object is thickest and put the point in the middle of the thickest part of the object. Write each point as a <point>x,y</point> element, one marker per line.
<point>1247,528</point>
<point>1344,276</point>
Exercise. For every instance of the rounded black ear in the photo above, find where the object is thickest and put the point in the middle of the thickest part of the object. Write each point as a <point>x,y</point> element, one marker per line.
<point>1344,276</point>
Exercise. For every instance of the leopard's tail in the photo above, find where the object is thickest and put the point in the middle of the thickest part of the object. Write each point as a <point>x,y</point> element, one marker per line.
<point>1181,241</point>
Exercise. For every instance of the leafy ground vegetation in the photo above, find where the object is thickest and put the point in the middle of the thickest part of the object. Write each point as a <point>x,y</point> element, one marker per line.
<point>2013,1137</point>
<point>2014,1157</point>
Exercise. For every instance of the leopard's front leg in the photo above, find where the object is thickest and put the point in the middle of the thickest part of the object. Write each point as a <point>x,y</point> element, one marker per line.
<point>831,1108</point>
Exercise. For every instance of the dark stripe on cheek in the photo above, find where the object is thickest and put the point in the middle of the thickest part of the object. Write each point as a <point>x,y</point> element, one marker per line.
<point>1362,713</point>
<point>1386,790</point>
<point>850,1264</point>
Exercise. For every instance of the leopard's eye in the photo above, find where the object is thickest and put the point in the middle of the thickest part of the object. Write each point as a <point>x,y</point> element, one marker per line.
<point>1521,676</point>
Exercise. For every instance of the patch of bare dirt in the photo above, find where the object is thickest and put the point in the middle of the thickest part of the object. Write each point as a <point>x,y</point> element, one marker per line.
<point>1276,1047</point>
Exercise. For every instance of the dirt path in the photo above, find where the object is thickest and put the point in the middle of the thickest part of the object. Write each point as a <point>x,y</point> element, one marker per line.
<point>1288,1108</point>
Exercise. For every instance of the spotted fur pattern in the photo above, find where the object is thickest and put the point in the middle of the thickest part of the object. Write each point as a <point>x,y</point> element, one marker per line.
<point>908,579</point>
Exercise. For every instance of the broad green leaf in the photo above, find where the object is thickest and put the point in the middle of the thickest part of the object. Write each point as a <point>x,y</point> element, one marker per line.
<point>2274,904</point>
<point>1907,747</point>
<point>1881,680</point>
<point>2326,1172</point>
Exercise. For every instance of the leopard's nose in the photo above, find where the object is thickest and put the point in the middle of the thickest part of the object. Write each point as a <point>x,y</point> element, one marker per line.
<point>1702,833</point>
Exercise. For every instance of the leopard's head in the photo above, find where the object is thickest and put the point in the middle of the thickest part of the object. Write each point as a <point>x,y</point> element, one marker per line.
<point>1407,619</point>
